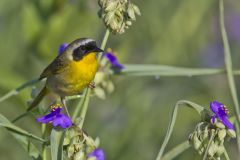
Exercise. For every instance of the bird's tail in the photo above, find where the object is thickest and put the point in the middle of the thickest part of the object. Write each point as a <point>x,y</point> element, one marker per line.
<point>38,99</point>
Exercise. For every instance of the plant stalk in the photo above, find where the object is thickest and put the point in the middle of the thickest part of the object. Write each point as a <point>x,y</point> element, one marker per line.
<point>228,65</point>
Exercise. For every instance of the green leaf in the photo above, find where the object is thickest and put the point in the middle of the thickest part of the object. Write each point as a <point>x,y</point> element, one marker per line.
<point>56,140</point>
<point>163,70</point>
<point>22,137</point>
<point>195,106</point>
<point>176,151</point>
<point>4,122</point>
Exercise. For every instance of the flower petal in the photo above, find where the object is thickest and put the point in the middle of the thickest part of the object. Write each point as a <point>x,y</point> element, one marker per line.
<point>56,110</point>
<point>98,154</point>
<point>227,123</point>
<point>213,119</point>
<point>215,105</point>
<point>113,60</point>
<point>220,112</point>
<point>47,118</point>
<point>62,121</point>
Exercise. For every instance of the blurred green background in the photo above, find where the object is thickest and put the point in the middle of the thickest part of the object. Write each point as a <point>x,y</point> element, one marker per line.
<point>131,122</point>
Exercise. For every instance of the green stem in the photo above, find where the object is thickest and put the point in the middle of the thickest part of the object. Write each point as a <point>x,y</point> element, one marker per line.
<point>84,109</point>
<point>226,154</point>
<point>228,65</point>
<point>32,136</point>
<point>21,116</point>
<point>83,104</point>
<point>44,150</point>
<point>80,104</point>
<point>104,43</point>
<point>176,151</point>
<point>135,72</point>
<point>198,108</point>
<point>17,90</point>
<point>209,144</point>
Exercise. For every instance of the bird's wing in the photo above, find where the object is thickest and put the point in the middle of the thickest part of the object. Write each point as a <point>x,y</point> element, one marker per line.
<point>58,65</point>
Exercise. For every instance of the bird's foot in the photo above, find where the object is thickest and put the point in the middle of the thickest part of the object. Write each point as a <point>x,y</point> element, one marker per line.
<point>92,85</point>
<point>63,100</point>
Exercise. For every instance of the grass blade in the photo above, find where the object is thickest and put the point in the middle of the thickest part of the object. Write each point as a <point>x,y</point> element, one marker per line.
<point>56,140</point>
<point>195,106</point>
<point>176,151</point>
<point>164,70</point>
<point>22,137</point>
<point>4,122</point>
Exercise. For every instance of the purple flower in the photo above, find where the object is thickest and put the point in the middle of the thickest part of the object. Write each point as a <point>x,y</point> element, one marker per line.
<point>62,48</point>
<point>113,60</point>
<point>220,112</point>
<point>56,118</point>
<point>98,154</point>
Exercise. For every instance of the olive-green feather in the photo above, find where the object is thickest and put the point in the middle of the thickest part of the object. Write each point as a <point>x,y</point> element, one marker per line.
<point>38,99</point>
<point>58,65</point>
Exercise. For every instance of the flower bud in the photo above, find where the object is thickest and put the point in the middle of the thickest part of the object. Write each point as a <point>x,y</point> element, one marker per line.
<point>99,77</point>
<point>79,156</point>
<point>212,149</point>
<point>231,133</point>
<point>100,93</point>
<point>222,134</point>
<point>77,144</point>
<point>205,133</point>
<point>111,5</point>
<point>129,23</point>
<point>220,125</point>
<point>136,10</point>
<point>220,150</point>
<point>130,12</point>
<point>196,142</point>
<point>116,14</point>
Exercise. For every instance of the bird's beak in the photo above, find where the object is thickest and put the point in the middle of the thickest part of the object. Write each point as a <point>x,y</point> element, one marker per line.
<point>96,49</point>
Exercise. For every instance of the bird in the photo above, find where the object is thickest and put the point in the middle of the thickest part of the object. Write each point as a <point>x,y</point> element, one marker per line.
<point>71,71</point>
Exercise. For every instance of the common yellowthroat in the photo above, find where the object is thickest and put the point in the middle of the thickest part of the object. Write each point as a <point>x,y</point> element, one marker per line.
<point>70,72</point>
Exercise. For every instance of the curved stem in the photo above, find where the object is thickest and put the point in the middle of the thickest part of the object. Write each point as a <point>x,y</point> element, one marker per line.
<point>198,108</point>
<point>228,65</point>
<point>21,116</point>
<point>176,151</point>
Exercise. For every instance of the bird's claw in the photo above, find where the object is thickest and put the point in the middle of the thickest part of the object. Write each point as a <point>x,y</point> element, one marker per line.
<point>92,85</point>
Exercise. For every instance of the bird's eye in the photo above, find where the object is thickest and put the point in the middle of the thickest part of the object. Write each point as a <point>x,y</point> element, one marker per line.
<point>78,54</point>
<point>83,48</point>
